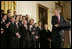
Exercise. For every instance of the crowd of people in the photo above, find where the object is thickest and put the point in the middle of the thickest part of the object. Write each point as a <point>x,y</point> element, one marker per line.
<point>18,31</point>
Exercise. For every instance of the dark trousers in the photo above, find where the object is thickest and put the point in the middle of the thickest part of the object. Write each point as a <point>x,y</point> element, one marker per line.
<point>25,43</point>
<point>15,43</point>
<point>33,42</point>
<point>3,41</point>
<point>56,40</point>
<point>37,43</point>
<point>28,44</point>
<point>44,45</point>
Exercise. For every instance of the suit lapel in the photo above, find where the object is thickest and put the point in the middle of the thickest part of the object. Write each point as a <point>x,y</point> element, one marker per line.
<point>56,19</point>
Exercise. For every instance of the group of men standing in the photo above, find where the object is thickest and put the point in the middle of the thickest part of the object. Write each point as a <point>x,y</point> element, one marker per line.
<point>20,32</point>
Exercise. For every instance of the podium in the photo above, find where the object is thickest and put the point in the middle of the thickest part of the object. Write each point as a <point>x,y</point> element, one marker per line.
<point>67,41</point>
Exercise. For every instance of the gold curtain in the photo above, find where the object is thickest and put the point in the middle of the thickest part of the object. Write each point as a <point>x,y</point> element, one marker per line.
<point>5,5</point>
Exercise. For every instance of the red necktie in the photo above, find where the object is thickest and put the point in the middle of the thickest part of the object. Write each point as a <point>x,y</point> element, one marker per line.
<point>58,19</point>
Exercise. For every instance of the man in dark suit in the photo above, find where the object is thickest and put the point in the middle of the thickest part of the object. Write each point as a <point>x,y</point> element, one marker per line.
<point>35,35</point>
<point>18,21</point>
<point>2,12</point>
<point>18,24</point>
<point>32,33</point>
<point>14,34</point>
<point>45,37</point>
<point>8,16</point>
<point>57,23</point>
<point>3,24</point>
<point>40,28</point>
<point>25,38</point>
<point>9,10</point>
<point>7,33</point>
<point>3,21</point>
<point>40,25</point>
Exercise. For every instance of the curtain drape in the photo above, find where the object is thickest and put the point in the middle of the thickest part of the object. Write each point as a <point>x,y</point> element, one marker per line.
<point>5,5</point>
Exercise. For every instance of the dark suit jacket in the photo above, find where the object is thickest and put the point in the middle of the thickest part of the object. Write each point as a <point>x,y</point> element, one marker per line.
<point>36,33</point>
<point>39,30</point>
<point>55,21</point>
<point>13,38</point>
<point>56,37</point>
<point>44,35</point>
<point>62,24</point>
<point>25,38</point>
<point>17,28</point>
<point>8,19</point>
<point>56,34</point>
<point>13,29</point>
<point>3,41</point>
<point>35,29</point>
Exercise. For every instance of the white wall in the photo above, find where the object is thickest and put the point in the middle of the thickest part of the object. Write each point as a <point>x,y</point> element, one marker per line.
<point>30,7</point>
<point>27,7</point>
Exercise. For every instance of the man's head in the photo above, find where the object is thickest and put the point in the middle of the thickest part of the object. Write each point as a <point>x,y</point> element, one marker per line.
<point>57,12</point>
<point>9,10</point>
<point>14,13</point>
<point>9,14</point>
<point>35,25</point>
<point>17,19</point>
<point>39,23</point>
<point>12,19</point>
<point>20,16</point>
<point>27,16</point>
<point>4,16</point>
<point>2,11</point>
<point>24,22</point>
<point>31,21</point>
<point>17,16</point>
<point>23,18</point>
<point>45,26</point>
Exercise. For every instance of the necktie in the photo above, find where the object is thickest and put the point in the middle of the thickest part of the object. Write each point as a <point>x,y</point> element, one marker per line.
<point>58,19</point>
<point>17,25</point>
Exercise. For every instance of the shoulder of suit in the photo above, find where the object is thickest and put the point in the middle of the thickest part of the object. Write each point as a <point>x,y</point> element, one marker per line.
<point>54,16</point>
<point>21,25</point>
<point>49,30</point>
